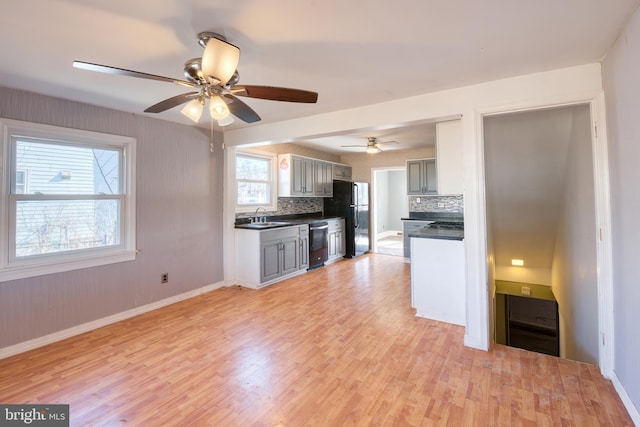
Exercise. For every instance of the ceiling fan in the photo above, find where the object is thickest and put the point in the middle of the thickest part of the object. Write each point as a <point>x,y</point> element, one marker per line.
<point>214,78</point>
<point>373,146</point>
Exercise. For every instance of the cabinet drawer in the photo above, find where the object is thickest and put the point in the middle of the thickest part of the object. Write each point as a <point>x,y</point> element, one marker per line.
<point>279,233</point>
<point>335,224</point>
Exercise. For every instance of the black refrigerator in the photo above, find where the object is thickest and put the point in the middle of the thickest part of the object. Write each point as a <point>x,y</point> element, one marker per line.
<point>351,201</point>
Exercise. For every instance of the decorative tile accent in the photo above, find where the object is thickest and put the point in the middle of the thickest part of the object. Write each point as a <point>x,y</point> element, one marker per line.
<point>292,205</point>
<point>299,205</point>
<point>453,204</point>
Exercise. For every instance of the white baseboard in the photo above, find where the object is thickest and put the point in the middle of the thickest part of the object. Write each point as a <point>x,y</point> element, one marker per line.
<point>95,324</point>
<point>626,400</point>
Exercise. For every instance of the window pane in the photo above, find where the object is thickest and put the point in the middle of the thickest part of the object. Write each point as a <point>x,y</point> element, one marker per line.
<point>66,169</point>
<point>49,226</point>
<point>253,168</point>
<point>21,182</point>
<point>253,193</point>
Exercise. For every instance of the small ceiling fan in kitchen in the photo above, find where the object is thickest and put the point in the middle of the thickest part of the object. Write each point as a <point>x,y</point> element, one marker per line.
<point>373,145</point>
<point>214,79</point>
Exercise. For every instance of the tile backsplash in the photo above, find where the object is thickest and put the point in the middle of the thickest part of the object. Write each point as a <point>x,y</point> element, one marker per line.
<point>293,205</point>
<point>451,204</point>
<point>299,205</point>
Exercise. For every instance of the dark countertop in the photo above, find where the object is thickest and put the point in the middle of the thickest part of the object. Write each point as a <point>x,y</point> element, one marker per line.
<point>452,229</point>
<point>277,221</point>
<point>435,233</point>
<point>434,216</point>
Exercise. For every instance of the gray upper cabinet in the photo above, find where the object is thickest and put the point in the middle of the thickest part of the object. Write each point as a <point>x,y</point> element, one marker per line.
<point>302,173</point>
<point>300,176</point>
<point>421,177</point>
<point>323,186</point>
<point>342,172</point>
<point>295,176</point>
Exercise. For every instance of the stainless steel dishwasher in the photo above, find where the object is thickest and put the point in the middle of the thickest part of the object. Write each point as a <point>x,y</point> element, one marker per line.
<point>318,243</point>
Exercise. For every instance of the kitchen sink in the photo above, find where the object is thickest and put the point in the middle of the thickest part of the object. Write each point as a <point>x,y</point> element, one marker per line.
<point>270,224</point>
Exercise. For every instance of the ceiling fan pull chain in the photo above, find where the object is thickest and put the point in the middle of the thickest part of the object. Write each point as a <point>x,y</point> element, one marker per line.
<point>211,140</point>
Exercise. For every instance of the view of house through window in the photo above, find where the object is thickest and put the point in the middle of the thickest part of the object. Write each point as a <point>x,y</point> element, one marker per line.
<point>254,180</point>
<point>72,200</point>
<point>68,198</point>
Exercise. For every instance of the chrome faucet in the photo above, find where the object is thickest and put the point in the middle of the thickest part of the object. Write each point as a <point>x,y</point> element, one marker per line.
<point>264,214</point>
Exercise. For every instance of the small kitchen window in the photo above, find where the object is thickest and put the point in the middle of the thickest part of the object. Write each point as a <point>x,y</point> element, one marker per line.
<point>256,182</point>
<point>68,199</point>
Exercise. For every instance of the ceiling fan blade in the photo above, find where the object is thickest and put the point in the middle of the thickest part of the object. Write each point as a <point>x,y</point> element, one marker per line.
<point>171,102</point>
<point>353,146</point>
<point>124,72</point>
<point>275,93</point>
<point>242,110</point>
<point>387,142</point>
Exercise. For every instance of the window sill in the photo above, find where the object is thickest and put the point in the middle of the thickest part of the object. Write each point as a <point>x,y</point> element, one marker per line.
<point>25,271</point>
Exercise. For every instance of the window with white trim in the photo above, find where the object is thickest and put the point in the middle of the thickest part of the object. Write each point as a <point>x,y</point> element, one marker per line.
<point>256,182</point>
<point>68,199</point>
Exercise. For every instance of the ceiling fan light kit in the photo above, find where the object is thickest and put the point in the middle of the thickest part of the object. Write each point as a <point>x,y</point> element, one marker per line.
<point>215,77</point>
<point>193,110</point>
<point>218,108</point>
<point>373,150</point>
<point>219,60</point>
<point>373,145</point>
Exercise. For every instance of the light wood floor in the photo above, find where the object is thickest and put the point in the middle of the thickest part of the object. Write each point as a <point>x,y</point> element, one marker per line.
<point>337,346</point>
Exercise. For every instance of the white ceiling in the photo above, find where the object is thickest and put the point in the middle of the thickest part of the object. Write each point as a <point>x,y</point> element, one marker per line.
<point>353,53</point>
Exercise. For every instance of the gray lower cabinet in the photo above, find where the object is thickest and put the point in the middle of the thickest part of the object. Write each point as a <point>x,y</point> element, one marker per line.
<point>422,177</point>
<point>407,227</point>
<point>304,247</point>
<point>278,252</point>
<point>263,257</point>
<point>336,237</point>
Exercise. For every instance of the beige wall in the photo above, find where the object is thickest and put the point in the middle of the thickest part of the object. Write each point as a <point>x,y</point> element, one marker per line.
<point>286,148</point>
<point>362,163</point>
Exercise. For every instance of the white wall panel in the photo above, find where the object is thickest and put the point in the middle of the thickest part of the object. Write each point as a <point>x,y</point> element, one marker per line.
<point>621,69</point>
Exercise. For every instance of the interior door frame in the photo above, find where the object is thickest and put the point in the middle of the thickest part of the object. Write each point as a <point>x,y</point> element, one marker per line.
<point>373,202</point>
<point>600,160</point>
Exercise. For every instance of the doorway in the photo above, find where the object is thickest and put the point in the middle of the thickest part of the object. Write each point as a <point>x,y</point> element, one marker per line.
<point>540,201</point>
<point>389,199</point>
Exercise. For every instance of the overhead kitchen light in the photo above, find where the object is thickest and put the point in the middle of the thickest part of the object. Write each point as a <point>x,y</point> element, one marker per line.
<point>219,60</point>
<point>517,262</point>
<point>372,149</point>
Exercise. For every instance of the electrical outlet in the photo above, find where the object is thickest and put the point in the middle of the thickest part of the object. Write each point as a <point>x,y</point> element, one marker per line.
<point>417,199</point>
<point>441,205</point>
<point>164,278</point>
<point>525,290</point>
